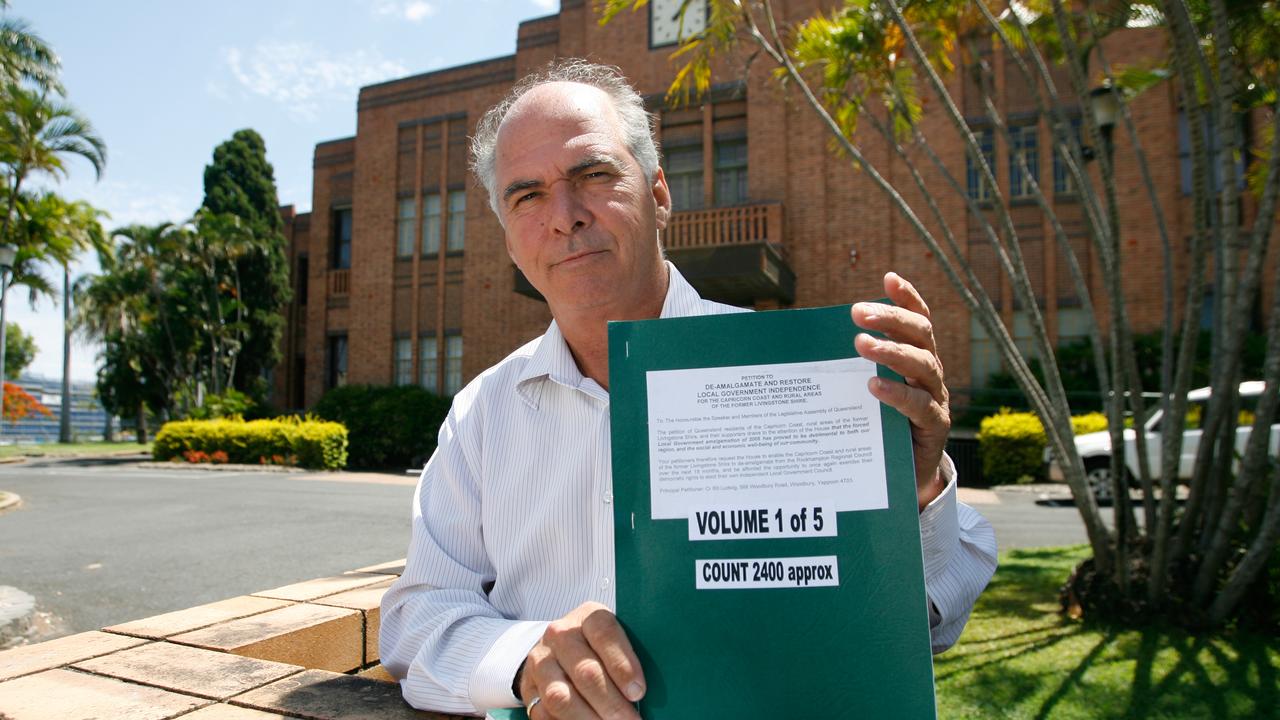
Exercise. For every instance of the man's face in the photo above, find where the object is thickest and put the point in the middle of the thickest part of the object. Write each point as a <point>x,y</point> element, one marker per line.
<point>581,220</point>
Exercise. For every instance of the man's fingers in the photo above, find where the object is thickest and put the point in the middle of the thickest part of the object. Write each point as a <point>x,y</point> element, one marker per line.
<point>609,641</point>
<point>915,403</point>
<point>897,323</point>
<point>557,698</point>
<point>919,367</point>
<point>904,294</point>
<point>589,663</point>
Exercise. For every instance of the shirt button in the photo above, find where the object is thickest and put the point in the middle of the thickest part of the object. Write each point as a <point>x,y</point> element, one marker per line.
<point>608,497</point>
<point>604,583</point>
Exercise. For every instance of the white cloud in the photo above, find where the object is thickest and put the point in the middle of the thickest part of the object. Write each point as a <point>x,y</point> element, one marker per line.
<point>413,10</point>
<point>302,78</point>
<point>547,4</point>
<point>133,203</point>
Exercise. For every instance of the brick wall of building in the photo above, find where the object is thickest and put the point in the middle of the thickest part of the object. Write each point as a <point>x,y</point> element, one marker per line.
<point>841,233</point>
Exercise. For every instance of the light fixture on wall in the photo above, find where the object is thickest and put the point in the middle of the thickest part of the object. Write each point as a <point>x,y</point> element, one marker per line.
<point>1104,103</point>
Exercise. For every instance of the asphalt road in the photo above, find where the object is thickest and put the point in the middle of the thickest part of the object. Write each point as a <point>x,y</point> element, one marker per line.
<point>98,544</point>
<point>103,542</point>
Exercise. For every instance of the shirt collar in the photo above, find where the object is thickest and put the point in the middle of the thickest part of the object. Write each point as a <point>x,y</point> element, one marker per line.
<point>551,360</point>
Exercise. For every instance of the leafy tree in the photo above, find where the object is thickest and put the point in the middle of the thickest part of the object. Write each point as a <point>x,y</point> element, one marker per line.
<point>20,350</point>
<point>241,183</point>
<point>867,70</point>
<point>146,353</point>
<point>24,57</point>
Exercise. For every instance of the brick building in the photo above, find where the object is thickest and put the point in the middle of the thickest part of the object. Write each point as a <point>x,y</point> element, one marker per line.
<point>401,273</point>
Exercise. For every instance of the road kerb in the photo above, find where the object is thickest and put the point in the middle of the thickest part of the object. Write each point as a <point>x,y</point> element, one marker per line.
<point>9,501</point>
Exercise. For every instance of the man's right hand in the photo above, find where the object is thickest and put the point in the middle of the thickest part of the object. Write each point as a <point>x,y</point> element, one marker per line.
<point>583,667</point>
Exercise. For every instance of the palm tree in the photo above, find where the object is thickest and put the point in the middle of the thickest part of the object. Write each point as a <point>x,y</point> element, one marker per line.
<point>126,309</point>
<point>24,56</point>
<point>72,228</point>
<point>37,133</point>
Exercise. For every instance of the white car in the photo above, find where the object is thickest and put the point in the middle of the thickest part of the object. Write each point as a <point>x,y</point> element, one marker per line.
<point>1095,448</point>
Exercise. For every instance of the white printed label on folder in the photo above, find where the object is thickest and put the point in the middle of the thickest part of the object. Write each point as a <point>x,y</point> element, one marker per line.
<point>781,520</point>
<point>764,573</point>
<point>765,436</point>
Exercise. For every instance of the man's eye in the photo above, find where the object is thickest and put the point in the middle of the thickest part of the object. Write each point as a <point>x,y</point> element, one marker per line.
<point>597,174</point>
<point>526,196</point>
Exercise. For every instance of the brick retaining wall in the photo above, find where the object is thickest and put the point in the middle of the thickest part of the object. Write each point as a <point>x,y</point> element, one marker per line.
<point>306,650</point>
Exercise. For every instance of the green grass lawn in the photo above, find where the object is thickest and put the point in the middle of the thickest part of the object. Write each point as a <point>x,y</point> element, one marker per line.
<point>85,448</point>
<point>1018,658</point>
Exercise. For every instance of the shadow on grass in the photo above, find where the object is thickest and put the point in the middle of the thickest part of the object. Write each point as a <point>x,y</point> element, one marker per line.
<point>1020,658</point>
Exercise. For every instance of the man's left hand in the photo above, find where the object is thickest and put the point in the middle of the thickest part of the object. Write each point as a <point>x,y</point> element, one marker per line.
<point>909,350</point>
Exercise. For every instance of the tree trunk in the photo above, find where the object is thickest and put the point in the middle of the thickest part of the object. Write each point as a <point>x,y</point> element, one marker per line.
<point>64,421</point>
<point>141,424</point>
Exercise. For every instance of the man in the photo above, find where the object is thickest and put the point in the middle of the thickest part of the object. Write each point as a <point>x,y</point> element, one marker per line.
<point>507,593</point>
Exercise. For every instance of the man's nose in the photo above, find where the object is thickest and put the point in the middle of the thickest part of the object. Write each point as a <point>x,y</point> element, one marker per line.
<point>568,213</point>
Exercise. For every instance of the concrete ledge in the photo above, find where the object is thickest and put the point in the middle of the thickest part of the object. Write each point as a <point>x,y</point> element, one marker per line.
<point>63,651</point>
<point>307,650</point>
<point>315,693</point>
<point>162,626</point>
<point>72,695</point>
<point>312,636</point>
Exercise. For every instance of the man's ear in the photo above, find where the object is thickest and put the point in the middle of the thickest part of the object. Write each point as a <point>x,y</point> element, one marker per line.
<point>662,198</point>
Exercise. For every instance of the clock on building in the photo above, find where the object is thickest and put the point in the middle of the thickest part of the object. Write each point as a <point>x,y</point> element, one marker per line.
<point>666,26</point>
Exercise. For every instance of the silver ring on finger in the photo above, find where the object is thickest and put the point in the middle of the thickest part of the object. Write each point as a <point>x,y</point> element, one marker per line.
<point>528,709</point>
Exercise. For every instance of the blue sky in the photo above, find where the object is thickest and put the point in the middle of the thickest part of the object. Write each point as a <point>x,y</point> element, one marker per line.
<point>164,82</point>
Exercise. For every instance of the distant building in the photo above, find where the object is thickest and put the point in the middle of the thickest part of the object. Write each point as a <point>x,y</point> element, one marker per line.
<point>401,274</point>
<point>88,419</point>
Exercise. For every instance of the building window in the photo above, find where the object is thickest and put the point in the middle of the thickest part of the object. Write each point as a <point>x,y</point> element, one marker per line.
<point>337,361</point>
<point>979,188</point>
<point>731,172</point>
<point>1214,146</point>
<point>427,354</point>
<point>1024,154</point>
<point>404,361</point>
<point>457,220</point>
<point>1063,183</point>
<point>684,176</point>
<point>404,228</point>
<point>452,364</point>
<point>431,224</point>
<point>300,282</point>
<point>341,239</point>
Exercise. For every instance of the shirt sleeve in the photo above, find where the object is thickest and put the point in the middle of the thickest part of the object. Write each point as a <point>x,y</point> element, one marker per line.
<point>451,650</point>
<point>959,548</point>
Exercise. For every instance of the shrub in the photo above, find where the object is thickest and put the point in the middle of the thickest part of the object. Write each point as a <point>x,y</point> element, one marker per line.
<point>1012,447</point>
<point>1088,423</point>
<point>389,426</point>
<point>315,443</point>
<point>1012,444</point>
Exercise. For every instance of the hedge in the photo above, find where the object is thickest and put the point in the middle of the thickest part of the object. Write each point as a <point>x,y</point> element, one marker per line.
<point>389,426</point>
<point>1012,444</point>
<point>308,442</point>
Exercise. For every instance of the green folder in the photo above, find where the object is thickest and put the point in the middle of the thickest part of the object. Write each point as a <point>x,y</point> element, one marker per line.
<point>860,649</point>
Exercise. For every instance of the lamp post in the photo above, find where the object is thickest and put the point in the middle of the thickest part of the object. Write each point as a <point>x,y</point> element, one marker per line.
<point>8,254</point>
<point>1106,108</point>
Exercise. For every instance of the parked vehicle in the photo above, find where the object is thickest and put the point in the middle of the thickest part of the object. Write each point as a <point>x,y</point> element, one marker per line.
<point>1095,448</point>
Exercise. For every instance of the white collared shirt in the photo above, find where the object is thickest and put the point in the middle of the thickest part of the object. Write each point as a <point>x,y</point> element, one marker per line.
<point>513,528</point>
